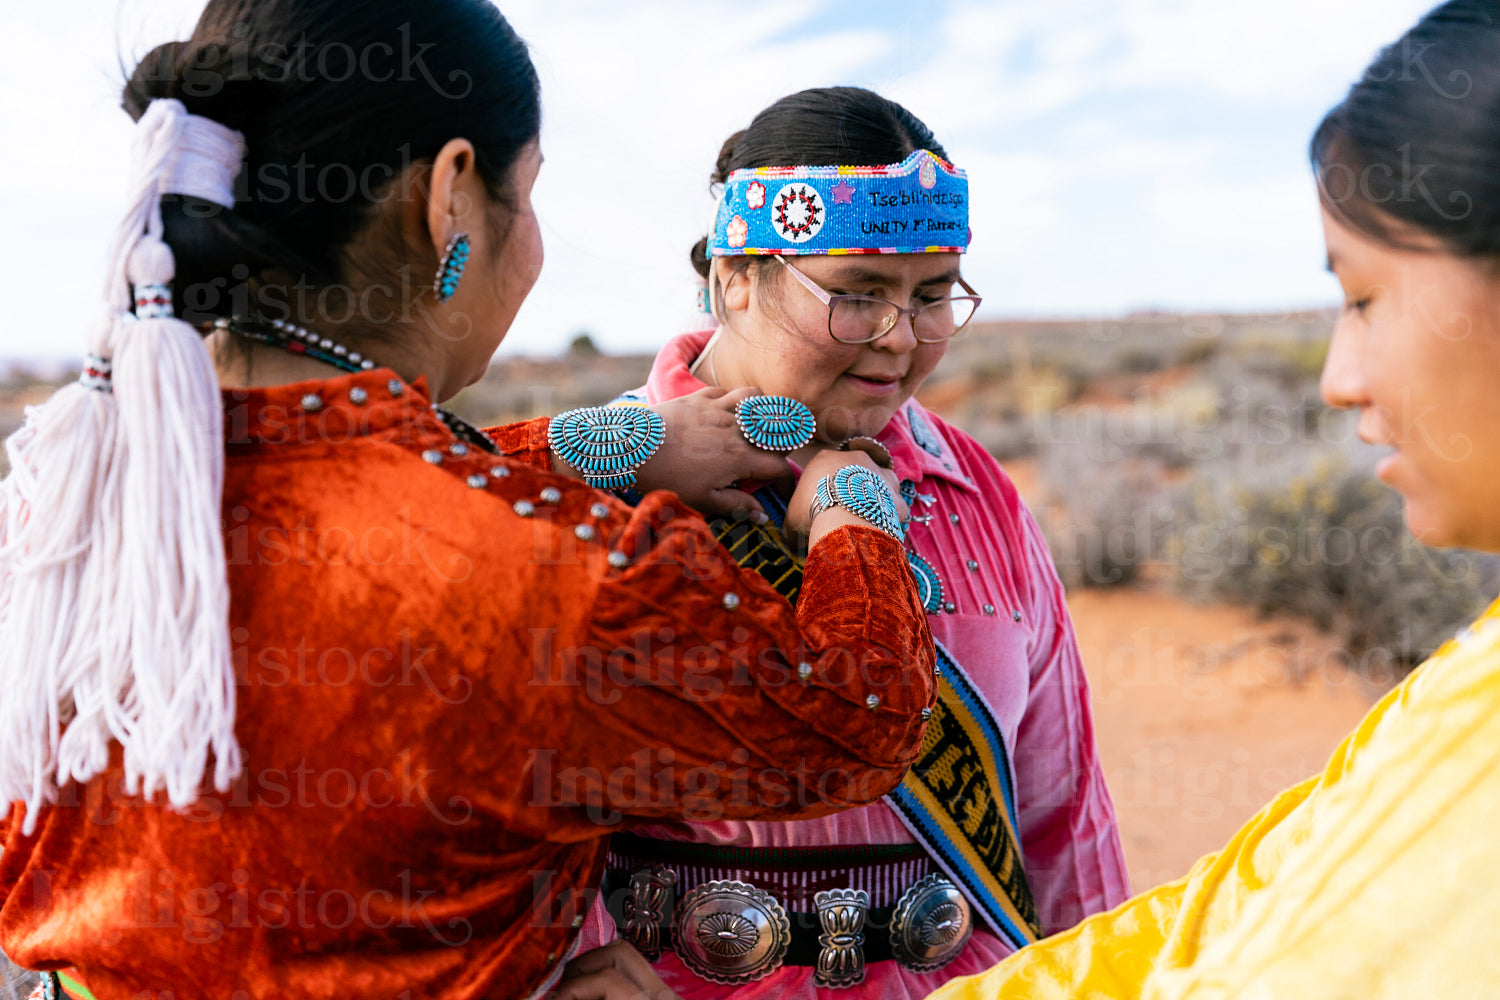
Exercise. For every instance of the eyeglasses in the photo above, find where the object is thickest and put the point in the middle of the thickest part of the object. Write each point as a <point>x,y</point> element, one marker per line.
<point>860,319</point>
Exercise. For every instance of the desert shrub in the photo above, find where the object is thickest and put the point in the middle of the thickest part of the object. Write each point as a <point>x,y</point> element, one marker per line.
<point>582,346</point>
<point>1244,487</point>
<point>1107,519</point>
<point>1242,413</point>
<point>1314,535</point>
<point>1006,439</point>
<point>1198,351</point>
<point>1295,357</point>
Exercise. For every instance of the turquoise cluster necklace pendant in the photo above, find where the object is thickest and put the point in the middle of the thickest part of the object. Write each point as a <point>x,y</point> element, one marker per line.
<point>929,582</point>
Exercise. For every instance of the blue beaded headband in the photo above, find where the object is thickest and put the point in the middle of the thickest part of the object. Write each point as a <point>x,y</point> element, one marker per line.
<point>920,205</point>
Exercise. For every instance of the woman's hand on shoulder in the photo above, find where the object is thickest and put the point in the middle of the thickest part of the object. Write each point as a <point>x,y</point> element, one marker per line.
<point>614,972</point>
<point>705,454</point>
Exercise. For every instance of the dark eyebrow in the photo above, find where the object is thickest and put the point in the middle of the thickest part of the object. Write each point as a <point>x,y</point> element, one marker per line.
<point>854,272</point>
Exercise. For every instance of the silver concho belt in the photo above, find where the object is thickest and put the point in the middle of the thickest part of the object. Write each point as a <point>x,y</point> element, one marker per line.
<point>931,925</point>
<point>732,932</point>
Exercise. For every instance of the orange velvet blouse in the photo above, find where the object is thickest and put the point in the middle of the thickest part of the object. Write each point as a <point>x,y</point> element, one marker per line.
<point>457,674</point>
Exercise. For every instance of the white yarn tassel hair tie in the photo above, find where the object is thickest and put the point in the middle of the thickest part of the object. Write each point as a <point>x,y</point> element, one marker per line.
<point>114,592</point>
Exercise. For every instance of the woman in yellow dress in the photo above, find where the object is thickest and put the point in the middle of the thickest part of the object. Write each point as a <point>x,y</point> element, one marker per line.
<point>1376,878</point>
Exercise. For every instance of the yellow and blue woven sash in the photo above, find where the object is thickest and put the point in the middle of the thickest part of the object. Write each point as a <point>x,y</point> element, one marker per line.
<point>958,800</point>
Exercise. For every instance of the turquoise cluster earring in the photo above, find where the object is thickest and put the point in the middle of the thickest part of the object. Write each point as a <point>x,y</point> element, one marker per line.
<point>451,267</point>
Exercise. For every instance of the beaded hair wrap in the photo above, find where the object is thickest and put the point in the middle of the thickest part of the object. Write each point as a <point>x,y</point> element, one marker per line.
<point>114,594</point>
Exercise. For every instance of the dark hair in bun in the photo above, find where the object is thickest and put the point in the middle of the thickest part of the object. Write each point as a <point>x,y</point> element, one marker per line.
<point>335,100</point>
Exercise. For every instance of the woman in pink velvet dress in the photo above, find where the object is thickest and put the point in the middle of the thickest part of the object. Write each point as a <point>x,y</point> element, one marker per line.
<point>837,285</point>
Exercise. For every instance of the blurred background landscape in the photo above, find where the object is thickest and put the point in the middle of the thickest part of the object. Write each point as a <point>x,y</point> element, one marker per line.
<point>1242,588</point>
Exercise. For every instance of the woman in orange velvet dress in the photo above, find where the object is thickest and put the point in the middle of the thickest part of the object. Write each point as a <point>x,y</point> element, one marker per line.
<point>309,692</point>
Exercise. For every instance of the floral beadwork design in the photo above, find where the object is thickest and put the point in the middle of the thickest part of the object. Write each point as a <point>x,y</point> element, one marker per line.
<point>737,231</point>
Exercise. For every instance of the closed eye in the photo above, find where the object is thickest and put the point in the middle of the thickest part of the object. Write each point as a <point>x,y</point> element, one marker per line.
<point>935,291</point>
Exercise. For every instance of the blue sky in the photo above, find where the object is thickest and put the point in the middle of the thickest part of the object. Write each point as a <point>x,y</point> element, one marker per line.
<point>1122,154</point>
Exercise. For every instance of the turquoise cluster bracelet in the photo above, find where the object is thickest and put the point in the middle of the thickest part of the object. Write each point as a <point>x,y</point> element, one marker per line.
<point>862,492</point>
<point>607,444</point>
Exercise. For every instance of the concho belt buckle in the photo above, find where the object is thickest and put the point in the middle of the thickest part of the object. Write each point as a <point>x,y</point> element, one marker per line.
<point>931,924</point>
<point>731,932</point>
<point>841,945</point>
<point>645,908</point>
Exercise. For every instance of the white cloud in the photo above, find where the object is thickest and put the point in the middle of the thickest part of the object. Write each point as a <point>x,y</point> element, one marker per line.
<point>1275,50</point>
